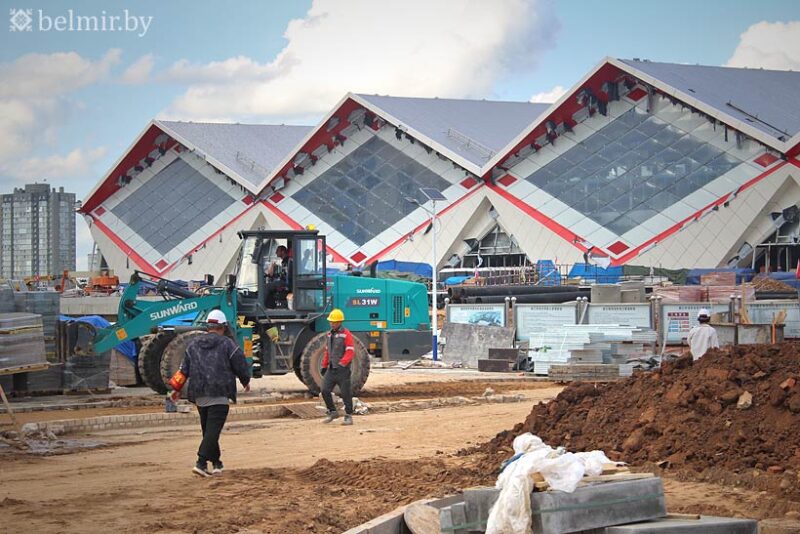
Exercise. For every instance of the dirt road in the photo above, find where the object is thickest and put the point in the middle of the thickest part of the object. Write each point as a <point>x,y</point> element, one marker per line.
<point>282,476</point>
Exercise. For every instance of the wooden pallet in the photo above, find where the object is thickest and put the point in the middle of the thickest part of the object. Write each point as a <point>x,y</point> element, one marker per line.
<point>305,410</point>
<point>612,472</point>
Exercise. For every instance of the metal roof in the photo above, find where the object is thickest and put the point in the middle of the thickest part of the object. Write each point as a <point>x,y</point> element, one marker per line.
<point>474,130</point>
<point>250,151</point>
<point>762,99</point>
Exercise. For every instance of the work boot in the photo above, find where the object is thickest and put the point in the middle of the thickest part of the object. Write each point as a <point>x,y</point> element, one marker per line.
<point>330,417</point>
<point>201,469</point>
<point>217,468</point>
<point>348,420</point>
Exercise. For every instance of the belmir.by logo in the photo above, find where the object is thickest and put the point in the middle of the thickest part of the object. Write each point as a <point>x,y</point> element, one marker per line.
<point>27,20</point>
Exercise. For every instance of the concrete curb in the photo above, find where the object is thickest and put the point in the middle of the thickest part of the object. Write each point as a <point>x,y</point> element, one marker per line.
<point>239,413</point>
<point>116,422</point>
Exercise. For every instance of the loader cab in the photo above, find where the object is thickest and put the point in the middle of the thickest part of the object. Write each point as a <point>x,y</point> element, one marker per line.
<point>281,273</point>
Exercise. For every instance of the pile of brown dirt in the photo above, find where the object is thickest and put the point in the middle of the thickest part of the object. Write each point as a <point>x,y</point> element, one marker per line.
<point>685,414</point>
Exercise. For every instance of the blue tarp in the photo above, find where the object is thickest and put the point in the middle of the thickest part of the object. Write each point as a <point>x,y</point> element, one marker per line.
<point>456,280</point>
<point>128,348</point>
<point>587,271</point>
<point>548,274</point>
<point>742,275</point>
<point>421,269</point>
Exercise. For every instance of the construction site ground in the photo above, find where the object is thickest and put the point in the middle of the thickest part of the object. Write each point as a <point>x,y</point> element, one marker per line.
<point>287,475</point>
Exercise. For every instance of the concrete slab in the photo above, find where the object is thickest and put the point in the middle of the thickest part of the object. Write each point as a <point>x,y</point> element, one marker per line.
<point>467,343</point>
<point>668,525</point>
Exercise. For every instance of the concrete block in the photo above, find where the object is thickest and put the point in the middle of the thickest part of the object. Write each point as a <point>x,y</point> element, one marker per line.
<point>679,525</point>
<point>479,502</point>
<point>468,343</point>
<point>494,366</point>
<point>597,506</point>
<point>779,526</point>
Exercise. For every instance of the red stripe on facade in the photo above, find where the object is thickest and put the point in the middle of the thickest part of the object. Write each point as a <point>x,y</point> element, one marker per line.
<point>421,226</point>
<point>140,261</point>
<point>546,221</point>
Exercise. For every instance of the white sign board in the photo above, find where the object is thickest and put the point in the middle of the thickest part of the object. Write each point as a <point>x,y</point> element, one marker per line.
<point>763,312</point>
<point>531,319</point>
<point>477,314</point>
<point>621,314</point>
<point>678,319</point>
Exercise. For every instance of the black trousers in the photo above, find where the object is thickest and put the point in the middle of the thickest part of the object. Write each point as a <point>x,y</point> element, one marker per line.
<point>338,376</point>
<point>212,419</point>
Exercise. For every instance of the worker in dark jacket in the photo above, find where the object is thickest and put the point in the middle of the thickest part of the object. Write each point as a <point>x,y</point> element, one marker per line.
<point>211,365</point>
<point>339,352</point>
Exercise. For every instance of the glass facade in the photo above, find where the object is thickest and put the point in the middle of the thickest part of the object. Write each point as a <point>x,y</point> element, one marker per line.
<point>630,170</point>
<point>172,205</point>
<point>365,192</point>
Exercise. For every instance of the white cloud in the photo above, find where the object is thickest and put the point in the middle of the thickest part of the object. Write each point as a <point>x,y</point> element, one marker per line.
<point>139,71</point>
<point>412,48</point>
<point>548,97</point>
<point>76,164</point>
<point>769,45</point>
<point>35,98</point>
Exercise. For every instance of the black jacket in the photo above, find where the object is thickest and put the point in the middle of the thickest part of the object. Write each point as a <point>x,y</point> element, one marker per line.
<point>212,364</point>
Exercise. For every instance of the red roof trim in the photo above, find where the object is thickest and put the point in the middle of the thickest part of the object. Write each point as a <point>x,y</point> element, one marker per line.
<point>766,159</point>
<point>564,112</point>
<point>109,186</point>
<point>507,180</point>
<point>321,136</point>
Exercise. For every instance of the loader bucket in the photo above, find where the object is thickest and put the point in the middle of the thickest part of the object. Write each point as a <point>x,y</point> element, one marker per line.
<point>75,338</point>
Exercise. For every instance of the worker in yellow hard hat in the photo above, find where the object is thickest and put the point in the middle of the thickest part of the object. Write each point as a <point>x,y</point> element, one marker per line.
<point>339,353</point>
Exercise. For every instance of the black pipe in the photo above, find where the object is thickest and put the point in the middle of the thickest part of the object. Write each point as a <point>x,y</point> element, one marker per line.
<point>541,298</point>
<point>460,292</point>
<point>768,295</point>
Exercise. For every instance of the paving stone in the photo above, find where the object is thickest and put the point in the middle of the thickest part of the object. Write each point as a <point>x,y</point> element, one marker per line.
<point>597,506</point>
<point>668,525</point>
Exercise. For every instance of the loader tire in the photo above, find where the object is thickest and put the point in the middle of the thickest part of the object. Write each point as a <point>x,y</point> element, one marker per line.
<point>150,360</point>
<point>173,354</point>
<point>311,364</point>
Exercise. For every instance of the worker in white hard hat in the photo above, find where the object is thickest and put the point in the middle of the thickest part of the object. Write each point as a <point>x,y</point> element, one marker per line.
<point>703,336</point>
<point>211,365</point>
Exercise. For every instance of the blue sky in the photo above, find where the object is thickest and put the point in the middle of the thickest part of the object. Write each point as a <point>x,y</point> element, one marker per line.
<point>72,102</point>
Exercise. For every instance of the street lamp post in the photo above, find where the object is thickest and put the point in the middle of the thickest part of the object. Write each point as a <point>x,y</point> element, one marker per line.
<point>433,195</point>
<point>434,288</point>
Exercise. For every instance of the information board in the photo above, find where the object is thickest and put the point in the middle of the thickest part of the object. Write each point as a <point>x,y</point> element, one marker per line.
<point>477,314</point>
<point>678,319</point>
<point>764,311</point>
<point>621,314</point>
<point>531,319</point>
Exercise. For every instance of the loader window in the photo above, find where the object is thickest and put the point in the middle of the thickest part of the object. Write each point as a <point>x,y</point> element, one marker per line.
<point>247,277</point>
<point>309,283</point>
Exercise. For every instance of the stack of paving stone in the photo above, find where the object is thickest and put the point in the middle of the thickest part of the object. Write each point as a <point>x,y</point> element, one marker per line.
<point>600,505</point>
<point>21,340</point>
<point>579,349</point>
<point>46,304</point>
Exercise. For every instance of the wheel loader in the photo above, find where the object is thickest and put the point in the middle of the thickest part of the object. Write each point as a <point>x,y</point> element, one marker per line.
<point>276,309</point>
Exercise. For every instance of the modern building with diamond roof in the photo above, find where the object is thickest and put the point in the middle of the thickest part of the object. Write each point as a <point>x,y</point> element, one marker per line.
<point>643,163</point>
